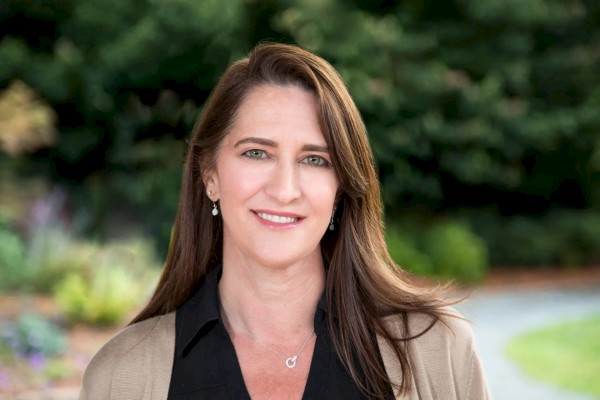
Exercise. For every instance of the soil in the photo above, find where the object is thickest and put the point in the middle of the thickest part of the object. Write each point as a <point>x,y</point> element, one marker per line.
<point>85,341</point>
<point>542,278</point>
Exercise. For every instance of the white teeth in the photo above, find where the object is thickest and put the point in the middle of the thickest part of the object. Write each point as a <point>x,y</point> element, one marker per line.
<point>277,218</point>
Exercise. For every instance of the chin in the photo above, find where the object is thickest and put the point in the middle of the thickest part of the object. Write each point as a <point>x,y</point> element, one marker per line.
<point>288,260</point>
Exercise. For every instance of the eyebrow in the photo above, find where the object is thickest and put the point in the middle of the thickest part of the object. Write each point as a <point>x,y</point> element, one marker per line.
<point>315,147</point>
<point>271,143</point>
<point>264,142</point>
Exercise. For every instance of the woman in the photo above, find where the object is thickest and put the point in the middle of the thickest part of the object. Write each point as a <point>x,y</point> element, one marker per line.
<point>278,282</point>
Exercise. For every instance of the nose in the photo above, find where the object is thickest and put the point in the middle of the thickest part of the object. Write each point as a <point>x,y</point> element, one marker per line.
<point>284,183</point>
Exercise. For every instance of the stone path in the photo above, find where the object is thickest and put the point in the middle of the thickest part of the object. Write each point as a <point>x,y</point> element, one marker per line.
<point>500,316</point>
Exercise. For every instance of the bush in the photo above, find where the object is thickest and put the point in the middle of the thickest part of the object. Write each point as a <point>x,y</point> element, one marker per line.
<point>104,299</point>
<point>403,249</point>
<point>447,250</point>
<point>582,236</point>
<point>32,353</point>
<point>560,237</point>
<point>51,254</point>
<point>456,252</point>
<point>118,279</point>
<point>54,254</point>
<point>92,283</point>
<point>12,259</point>
<point>34,337</point>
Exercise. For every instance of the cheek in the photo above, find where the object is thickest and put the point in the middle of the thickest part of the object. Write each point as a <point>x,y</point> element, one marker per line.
<point>239,182</point>
<point>321,189</point>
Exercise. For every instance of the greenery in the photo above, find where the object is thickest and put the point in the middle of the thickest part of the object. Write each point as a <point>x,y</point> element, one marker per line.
<point>402,245</point>
<point>567,355</point>
<point>444,249</point>
<point>92,282</point>
<point>27,122</point>
<point>560,237</point>
<point>32,353</point>
<point>12,258</point>
<point>468,104</point>
<point>116,279</point>
<point>32,336</point>
<point>105,297</point>
<point>456,252</point>
<point>52,255</point>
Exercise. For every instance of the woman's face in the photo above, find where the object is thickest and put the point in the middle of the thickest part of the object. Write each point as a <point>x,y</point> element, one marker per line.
<point>274,179</point>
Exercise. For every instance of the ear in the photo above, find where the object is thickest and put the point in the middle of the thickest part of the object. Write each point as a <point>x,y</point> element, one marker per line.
<point>211,182</point>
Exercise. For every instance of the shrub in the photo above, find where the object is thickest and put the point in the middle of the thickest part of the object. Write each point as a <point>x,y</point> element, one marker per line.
<point>560,237</point>
<point>50,255</point>
<point>456,252</point>
<point>104,299</point>
<point>53,254</point>
<point>443,249</point>
<point>34,337</point>
<point>404,250</point>
<point>118,279</point>
<point>12,259</point>
<point>581,231</point>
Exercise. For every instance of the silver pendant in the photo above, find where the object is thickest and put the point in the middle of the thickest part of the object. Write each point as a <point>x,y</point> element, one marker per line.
<point>291,362</point>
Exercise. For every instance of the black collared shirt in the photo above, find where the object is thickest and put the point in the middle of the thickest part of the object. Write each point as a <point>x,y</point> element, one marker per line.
<point>206,366</point>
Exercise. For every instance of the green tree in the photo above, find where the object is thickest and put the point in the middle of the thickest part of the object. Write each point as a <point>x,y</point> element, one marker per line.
<point>126,86</point>
<point>470,103</point>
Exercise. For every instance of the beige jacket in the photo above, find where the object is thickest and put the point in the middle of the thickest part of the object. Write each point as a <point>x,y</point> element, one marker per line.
<point>136,364</point>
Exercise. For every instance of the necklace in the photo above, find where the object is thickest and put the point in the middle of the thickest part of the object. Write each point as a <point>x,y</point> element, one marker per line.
<point>290,362</point>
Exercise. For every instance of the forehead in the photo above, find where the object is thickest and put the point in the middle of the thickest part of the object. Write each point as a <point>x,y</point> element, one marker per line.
<point>274,110</point>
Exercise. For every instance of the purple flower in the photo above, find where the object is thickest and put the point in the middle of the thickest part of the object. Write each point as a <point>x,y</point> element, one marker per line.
<point>37,361</point>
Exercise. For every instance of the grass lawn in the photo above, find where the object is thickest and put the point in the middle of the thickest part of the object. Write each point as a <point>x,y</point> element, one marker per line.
<point>567,355</point>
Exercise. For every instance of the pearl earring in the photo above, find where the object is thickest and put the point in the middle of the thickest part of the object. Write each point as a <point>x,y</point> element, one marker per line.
<point>215,210</point>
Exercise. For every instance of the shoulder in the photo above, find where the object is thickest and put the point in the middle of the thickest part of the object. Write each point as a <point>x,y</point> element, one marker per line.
<point>443,355</point>
<point>450,336</point>
<point>128,353</point>
<point>450,328</point>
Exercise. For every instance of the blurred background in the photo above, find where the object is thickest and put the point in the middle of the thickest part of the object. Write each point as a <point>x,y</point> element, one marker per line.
<point>484,118</point>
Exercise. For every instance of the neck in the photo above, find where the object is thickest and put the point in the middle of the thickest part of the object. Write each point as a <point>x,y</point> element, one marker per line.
<point>274,303</point>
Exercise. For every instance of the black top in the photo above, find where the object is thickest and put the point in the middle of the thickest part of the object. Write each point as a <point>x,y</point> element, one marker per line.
<point>206,366</point>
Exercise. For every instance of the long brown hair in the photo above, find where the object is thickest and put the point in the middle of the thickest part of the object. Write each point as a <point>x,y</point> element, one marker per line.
<point>363,283</point>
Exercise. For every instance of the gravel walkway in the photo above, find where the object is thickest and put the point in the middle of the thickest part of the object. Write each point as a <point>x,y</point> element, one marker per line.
<point>500,316</point>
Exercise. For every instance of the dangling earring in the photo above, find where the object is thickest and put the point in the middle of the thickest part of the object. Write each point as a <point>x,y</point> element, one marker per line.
<point>215,210</point>
<point>331,226</point>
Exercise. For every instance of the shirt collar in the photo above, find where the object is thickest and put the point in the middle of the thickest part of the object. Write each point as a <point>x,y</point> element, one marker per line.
<point>199,310</point>
<point>204,307</point>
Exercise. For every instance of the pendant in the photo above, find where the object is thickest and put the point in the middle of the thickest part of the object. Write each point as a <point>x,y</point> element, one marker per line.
<point>291,361</point>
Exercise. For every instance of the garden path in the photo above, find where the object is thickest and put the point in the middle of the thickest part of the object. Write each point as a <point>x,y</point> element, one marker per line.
<point>500,315</point>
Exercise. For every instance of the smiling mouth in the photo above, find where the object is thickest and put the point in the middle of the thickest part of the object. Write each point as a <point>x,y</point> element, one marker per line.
<point>278,219</point>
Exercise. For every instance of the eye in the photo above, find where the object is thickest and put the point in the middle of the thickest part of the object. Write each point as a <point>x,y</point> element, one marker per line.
<point>255,154</point>
<point>316,161</point>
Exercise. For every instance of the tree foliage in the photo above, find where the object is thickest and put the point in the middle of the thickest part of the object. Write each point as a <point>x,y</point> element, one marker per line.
<point>468,103</point>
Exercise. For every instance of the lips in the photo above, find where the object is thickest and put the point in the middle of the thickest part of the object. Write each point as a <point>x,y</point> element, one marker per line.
<point>278,219</point>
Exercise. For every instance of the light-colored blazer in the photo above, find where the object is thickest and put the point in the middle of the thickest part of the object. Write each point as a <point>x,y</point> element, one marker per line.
<point>136,364</point>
